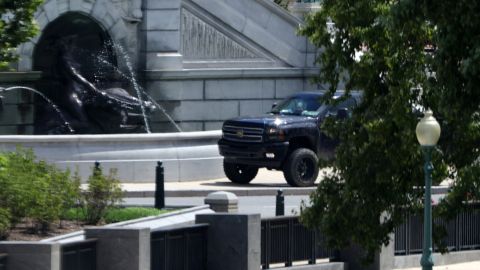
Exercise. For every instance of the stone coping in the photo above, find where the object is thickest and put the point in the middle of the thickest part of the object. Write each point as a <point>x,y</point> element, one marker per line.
<point>230,73</point>
<point>140,223</point>
<point>101,138</point>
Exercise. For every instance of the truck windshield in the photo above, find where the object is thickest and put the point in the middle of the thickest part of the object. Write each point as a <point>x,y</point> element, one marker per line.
<point>303,105</point>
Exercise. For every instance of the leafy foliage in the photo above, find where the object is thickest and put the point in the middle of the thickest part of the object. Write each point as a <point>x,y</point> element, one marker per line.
<point>380,47</point>
<point>16,26</point>
<point>34,189</point>
<point>102,194</point>
<point>4,223</point>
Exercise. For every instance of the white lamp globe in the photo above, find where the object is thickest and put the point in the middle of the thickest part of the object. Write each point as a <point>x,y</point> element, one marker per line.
<point>428,130</point>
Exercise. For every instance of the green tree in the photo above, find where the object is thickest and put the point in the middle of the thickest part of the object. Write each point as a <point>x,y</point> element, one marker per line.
<point>16,27</point>
<point>379,47</point>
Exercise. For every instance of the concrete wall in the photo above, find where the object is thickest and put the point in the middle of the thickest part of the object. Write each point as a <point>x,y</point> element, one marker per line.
<point>203,99</point>
<point>31,255</point>
<point>17,109</point>
<point>204,61</point>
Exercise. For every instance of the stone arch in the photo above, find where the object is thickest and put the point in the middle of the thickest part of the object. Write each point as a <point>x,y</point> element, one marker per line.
<point>90,46</point>
<point>107,15</point>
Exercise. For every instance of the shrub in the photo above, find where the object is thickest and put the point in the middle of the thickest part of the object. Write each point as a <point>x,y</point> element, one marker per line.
<point>103,193</point>
<point>52,194</point>
<point>34,189</point>
<point>4,223</point>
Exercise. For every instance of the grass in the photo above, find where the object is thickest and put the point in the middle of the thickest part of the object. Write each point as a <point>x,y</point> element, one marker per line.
<point>117,214</point>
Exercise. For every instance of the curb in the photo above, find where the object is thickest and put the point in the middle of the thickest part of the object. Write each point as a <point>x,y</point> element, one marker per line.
<point>254,191</point>
<point>205,192</point>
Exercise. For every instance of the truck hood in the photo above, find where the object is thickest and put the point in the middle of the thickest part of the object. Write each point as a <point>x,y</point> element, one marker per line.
<point>268,120</point>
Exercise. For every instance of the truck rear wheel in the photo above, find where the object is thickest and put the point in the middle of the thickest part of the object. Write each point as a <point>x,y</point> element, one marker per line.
<point>301,168</point>
<point>239,173</point>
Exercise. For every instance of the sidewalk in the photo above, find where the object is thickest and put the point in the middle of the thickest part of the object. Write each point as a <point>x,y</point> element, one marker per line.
<point>460,266</point>
<point>265,184</point>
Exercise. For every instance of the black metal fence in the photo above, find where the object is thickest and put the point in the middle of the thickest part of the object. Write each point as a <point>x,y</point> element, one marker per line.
<point>81,255</point>
<point>286,240</point>
<point>463,232</point>
<point>182,248</point>
<point>3,261</point>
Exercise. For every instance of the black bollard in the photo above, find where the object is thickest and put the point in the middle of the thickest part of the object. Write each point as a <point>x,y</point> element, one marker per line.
<point>159,187</point>
<point>280,205</point>
<point>96,169</point>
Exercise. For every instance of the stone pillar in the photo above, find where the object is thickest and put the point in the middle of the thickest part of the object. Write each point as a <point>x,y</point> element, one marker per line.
<point>233,241</point>
<point>161,30</point>
<point>384,260</point>
<point>32,255</point>
<point>121,248</point>
<point>222,202</point>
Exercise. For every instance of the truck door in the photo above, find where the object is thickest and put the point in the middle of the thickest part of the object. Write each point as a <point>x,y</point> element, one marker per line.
<point>339,111</point>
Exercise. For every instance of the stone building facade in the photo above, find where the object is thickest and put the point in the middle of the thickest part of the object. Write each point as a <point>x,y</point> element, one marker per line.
<point>203,61</point>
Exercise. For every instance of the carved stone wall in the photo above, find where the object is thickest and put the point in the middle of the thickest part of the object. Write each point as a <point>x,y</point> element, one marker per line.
<point>202,41</point>
<point>207,42</point>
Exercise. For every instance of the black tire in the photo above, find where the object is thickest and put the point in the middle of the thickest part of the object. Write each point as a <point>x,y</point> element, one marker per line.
<point>239,173</point>
<point>301,168</point>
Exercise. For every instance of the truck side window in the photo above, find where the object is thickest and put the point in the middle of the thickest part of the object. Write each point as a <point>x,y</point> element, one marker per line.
<point>347,104</point>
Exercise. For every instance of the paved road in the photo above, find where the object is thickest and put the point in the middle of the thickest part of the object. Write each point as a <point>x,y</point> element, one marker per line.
<point>265,205</point>
<point>257,197</point>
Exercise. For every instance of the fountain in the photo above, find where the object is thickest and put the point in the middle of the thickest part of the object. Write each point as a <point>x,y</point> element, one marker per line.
<point>64,127</point>
<point>202,62</point>
<point>89,102</point>
<point>86,91</point>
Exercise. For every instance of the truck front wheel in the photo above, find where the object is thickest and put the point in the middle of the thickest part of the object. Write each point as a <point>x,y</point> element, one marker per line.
<point>301,168</point>
<point>239,173</point>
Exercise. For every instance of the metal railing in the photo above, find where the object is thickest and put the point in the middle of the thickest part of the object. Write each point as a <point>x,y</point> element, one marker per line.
<point>183,248</point>
<point>3,261</point>
<point>81,255</point>
<point>463,232</point>
<point>285,240</point>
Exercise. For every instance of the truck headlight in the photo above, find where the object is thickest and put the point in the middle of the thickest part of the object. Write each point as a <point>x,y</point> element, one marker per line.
<point>276,134</point>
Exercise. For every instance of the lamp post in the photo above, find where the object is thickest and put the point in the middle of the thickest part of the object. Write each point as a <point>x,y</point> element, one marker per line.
<point>428,133</point>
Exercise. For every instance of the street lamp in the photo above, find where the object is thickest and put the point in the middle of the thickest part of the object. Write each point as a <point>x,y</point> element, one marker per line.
<point>428,133</point>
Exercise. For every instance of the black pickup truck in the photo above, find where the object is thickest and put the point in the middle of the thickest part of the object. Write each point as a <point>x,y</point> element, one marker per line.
<point>289,138</point>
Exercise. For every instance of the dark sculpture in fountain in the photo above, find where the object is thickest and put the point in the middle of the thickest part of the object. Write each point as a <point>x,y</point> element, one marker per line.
<point>93,110</point>
<point>83,107</point>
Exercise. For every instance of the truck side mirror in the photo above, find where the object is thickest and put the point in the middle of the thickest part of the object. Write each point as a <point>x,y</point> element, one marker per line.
<point>274,105</point>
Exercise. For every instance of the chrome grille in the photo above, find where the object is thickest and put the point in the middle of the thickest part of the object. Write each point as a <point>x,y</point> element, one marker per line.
<point>242,134</point>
